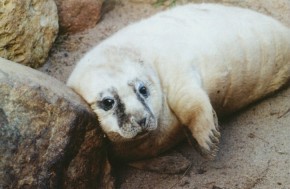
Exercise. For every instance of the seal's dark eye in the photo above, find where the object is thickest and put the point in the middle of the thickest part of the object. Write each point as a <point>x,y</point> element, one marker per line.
<point>143,91</point>
<point>107,104</point>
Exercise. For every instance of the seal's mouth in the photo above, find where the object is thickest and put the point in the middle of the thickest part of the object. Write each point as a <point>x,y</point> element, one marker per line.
<point>117,137</point>
<point>142,134</point>
<point>134,130</point>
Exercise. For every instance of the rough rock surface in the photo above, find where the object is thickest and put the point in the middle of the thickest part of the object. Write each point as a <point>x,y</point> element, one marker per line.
<point>49,138</point>
<point>76,16</point>
<point>27,30</point>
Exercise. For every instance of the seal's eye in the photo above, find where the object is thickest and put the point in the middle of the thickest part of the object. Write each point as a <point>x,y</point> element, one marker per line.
<point>107,104</point>
<point>143,91</point>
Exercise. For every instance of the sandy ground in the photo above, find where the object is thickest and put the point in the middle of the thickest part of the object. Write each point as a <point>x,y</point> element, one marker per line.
<point>255,145</point>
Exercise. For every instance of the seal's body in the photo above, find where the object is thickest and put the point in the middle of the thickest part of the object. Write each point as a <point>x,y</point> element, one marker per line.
<point>172,70</point>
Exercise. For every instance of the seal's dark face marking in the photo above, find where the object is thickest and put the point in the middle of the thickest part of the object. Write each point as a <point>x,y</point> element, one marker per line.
<point>142,93</point>
<point>120,111</point>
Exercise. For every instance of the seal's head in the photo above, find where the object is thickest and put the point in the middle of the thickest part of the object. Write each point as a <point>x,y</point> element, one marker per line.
<point>124,93</point>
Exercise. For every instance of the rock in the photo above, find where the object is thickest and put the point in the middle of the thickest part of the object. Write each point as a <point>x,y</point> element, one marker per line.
<point>76,16</point>
<point>49,138</point>
<point>27,30</point>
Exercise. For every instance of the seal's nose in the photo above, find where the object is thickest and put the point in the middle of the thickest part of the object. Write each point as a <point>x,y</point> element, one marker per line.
<point>142,122</point>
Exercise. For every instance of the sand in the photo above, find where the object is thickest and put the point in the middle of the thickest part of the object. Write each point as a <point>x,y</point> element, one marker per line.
<point>255,145</point>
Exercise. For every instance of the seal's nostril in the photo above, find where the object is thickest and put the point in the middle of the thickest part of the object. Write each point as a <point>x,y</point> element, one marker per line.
<point>142,122</point>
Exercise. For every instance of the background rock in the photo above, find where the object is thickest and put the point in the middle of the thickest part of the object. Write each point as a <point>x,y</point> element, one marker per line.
<point>49,138</point>
<point>27,30</point>
<point>75,15</point>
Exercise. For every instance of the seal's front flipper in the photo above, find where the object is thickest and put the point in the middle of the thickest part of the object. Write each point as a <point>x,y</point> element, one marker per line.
<point>191,105</point>
<point>172,163</point>
<point>213,141</point>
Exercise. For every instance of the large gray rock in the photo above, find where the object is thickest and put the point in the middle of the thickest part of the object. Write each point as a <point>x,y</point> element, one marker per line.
<point>49,138</point>
<point>27,30</point>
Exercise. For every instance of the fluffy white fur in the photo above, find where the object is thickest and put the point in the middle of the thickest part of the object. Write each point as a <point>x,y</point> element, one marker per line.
<point>193,59</point>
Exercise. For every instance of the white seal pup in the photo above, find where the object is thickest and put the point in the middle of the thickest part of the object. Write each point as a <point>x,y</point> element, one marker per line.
<point>175,69</point>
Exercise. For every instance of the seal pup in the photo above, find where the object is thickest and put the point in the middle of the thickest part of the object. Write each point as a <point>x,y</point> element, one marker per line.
<point>177,68</point>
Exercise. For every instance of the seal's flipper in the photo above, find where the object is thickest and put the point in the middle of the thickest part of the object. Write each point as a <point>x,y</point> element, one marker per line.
<point>214,141</point>
<point>191,105</point>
